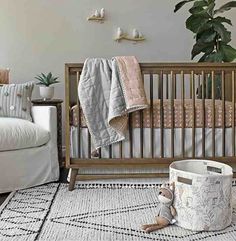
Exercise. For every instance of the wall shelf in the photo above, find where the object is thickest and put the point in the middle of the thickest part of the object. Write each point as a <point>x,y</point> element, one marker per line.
<point>96,19</point>
<point>128,38</point>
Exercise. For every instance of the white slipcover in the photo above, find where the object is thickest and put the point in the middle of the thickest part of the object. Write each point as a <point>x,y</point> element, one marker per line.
<point>32,166</point>
<point>19,134</point>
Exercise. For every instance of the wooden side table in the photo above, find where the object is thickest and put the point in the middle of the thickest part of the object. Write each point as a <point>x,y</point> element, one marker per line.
<point>58,104</point>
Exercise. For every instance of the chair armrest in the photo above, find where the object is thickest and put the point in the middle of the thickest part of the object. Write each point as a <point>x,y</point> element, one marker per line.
<point>46,117</point>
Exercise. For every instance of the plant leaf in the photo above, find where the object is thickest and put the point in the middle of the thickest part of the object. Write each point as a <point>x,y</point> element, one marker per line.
<point>226,7</point>
<point>41,81</point>
<point>229,53</point>
<point>222,31</point>
<point>215,57</point>
<point>44,76</point>
<point>203,58</point>
<point>198,7</point>
<point>222,20</point>
<point>181,4</point>
<point>206,36</point>
<point>195,22</point>
<point>54,82</point>
<point>49,76</point>
<point>39,78</point>
<point>202,47</point>
<point>210,9</point>
<point>204,27</point>
<point>203,7</point>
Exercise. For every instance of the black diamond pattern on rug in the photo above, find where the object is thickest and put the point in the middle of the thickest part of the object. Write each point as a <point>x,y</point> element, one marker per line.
<point>16,232</point>
<point>24,215</point>
<point>21,219</point>
<point>31,201</point>
<point>105,221</point>
<point>29,209</point>
<point>81,221</point>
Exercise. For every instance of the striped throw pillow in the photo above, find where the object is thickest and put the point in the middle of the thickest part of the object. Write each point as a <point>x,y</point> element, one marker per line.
<point>15,100</point>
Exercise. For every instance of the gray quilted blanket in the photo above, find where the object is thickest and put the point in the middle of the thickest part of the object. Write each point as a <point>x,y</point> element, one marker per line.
<point>102,94</point>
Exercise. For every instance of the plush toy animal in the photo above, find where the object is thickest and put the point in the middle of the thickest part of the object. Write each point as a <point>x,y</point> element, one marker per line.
<point>166,211</point>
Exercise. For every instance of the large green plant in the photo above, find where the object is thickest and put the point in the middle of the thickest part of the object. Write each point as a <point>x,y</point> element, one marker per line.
<point>211,34</point>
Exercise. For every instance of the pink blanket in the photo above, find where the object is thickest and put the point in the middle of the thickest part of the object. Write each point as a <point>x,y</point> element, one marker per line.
<point>132,83</point>
<point>133,90</point>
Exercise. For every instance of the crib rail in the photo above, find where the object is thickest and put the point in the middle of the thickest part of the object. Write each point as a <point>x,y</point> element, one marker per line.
<point>166,81</point>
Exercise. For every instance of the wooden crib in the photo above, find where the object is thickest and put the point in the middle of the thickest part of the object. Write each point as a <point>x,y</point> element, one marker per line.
<point>204,95</point>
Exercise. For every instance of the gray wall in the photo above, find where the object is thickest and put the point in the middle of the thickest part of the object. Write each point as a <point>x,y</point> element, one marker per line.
<point>41,35</point>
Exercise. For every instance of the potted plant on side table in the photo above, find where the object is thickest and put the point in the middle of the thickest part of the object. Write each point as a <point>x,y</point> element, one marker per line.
<point>46,91</point>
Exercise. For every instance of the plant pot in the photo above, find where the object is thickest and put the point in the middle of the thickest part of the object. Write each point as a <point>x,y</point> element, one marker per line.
<point>46,92</point>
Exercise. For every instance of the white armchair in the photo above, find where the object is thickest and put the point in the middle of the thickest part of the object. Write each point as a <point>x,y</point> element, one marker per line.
<point>46,117</point>
<point>27,167</point>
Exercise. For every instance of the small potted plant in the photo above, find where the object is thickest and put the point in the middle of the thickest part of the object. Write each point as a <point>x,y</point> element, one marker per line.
<point>46,91</point>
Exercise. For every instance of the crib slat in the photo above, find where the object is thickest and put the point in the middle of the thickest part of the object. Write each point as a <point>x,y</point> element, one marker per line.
<point>193,112</point>
<point>183,114</point>
<point>207,89</point>
<point>167,86</point>
<point>151,115</point>
<point>110,151</point>
<point>172,113</point>
<point>191,86</point>
<point>78,114</point>
<point>141,129</point>
<point>130,136</point>
<point>89,144</point>
<point>161,112</point>
<point>121,149</point>
<point>213,111</point>
<point>223,111</point>
<point>233,113</point>
<point>203,115</point>
<point>175,89</point>
<point>100,153</point>
<point>199,83</point>
<point>141,133</point>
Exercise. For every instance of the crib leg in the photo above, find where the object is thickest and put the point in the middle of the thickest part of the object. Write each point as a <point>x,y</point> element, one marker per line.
<point>73,175</point>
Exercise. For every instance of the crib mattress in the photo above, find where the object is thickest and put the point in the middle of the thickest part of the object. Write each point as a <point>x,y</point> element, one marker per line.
<point>221,118</point>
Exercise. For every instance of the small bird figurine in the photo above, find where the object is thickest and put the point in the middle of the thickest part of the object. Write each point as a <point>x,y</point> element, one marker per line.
<point>119,32</point>
<point>140,35</point>
<point>102,13</point>
<point>135,33</point>
<point>97,14</point>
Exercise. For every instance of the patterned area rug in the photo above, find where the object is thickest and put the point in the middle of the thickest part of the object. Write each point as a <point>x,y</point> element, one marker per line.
<point>93,212</point>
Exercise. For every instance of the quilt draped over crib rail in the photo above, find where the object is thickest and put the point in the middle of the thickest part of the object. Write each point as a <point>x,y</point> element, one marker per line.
<point>109,90</point>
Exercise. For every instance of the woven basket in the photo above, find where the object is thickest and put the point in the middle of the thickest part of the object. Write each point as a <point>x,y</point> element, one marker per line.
<point>202,194</point>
